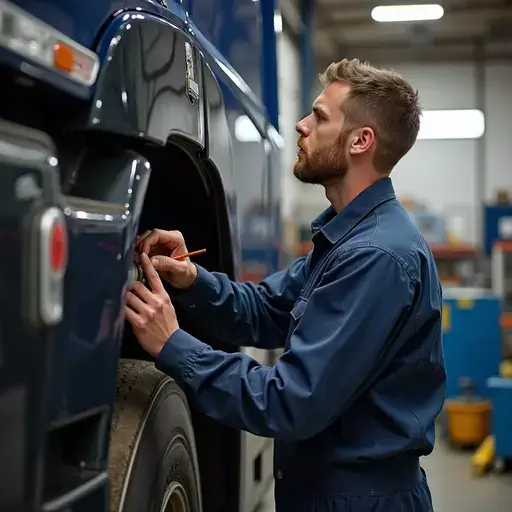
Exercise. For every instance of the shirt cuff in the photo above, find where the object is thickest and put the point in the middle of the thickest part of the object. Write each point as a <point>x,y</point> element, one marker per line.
<point>203,289</point>
<point>179,354</point>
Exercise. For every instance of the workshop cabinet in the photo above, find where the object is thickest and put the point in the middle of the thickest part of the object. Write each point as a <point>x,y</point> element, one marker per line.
<point>471,339</point>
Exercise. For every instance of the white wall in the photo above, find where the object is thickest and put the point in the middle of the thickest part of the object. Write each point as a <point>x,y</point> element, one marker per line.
<point>443,173</point>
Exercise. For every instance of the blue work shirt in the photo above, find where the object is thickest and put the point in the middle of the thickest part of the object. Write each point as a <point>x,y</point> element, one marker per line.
<point>352,401</point>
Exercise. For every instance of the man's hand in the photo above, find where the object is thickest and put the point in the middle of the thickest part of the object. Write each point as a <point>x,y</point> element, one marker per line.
<point>161,246</point>
<point>151,312</point>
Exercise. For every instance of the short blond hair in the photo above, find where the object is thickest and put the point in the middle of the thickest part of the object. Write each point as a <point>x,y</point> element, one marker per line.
<point>383,100</point>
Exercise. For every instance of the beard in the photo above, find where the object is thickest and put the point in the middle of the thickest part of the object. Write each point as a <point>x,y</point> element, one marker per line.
<point>323,165</point>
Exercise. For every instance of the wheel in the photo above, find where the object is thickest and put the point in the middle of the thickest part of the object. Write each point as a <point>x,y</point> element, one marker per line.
<point>152,458</point>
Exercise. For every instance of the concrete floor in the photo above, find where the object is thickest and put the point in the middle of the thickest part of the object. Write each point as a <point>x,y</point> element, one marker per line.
<point>453,486</point>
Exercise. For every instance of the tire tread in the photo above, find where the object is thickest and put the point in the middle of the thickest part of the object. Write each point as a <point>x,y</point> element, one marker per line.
<point>136,383</point>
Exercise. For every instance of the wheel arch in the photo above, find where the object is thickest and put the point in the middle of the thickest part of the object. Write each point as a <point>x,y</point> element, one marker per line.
<point>154,90</point>
<point>216,444</point>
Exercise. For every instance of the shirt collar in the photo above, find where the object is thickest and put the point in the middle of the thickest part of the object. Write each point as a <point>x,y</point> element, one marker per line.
<point>334,226</point>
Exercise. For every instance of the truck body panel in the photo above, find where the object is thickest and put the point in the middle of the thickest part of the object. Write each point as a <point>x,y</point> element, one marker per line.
<point>142,89</point>
<point>163,80</point>
<point>28,185</point>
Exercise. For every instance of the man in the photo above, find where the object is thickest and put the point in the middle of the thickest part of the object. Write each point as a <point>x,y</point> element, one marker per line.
<point>352,401</point>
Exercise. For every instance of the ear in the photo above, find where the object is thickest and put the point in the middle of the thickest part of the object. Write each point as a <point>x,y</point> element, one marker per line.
<point>363,140</point>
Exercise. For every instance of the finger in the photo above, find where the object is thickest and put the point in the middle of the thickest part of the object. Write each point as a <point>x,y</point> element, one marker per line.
<point>152,275</point>
<point>132,317</point>
<point>153,238</point>
<point>172,239</point>
<point>137,304</point>
<point>166,264</point>
<point>145,295</point>
<point>142,236</point>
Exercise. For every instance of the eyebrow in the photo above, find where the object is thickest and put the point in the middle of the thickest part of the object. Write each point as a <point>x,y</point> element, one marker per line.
<point>320,110</point>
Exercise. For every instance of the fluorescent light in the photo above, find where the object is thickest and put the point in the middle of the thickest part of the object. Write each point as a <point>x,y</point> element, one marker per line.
<point>278,23</point>
<point>452,124</point>
<point>387,13</point>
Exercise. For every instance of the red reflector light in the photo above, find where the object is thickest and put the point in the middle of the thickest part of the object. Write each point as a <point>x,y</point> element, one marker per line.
<point>53,260</point>
<point>58,247</point>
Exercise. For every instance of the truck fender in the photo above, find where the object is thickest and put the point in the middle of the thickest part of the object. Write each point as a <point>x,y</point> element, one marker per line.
<point>155,85</point>
<point>220,162</point>
<point>150,81</point>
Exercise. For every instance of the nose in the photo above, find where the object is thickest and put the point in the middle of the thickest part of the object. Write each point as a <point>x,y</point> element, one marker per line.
<point>302,128</point>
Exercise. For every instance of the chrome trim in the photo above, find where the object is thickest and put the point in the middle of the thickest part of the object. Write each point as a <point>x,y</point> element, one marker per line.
<point>69,498</point>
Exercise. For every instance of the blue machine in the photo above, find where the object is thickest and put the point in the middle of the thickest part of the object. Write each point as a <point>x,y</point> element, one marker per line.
<point>471,339</point>
<point>501,395</point>
<point>497,225</point>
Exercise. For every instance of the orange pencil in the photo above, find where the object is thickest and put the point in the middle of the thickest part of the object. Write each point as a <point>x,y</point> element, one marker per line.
<point>188,255</point>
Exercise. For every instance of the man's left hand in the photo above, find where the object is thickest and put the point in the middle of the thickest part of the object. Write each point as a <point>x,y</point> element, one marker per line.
<point>150,312</point>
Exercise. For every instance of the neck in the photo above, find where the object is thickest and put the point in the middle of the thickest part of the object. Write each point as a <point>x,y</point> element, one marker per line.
<point>341,192</point>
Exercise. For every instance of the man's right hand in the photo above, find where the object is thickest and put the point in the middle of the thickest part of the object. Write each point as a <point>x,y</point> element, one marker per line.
<point>162,246</point>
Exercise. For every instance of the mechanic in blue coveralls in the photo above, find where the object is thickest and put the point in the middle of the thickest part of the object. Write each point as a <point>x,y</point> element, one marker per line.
<point>352,401</point>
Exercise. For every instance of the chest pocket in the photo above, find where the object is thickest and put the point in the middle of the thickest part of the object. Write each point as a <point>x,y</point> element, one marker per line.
<point>295,316</point>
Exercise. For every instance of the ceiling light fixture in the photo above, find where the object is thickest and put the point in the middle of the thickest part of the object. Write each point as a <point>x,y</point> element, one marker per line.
<point>389,13</point>
<point>452,124</point>
<point>278,23</point>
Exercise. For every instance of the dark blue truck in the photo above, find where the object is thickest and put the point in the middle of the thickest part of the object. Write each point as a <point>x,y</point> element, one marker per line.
<point>118,116</point>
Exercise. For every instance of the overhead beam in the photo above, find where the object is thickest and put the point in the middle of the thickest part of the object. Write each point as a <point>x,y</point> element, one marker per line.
<point>394,58</point>
<point>361,18</point>
<point>332,5</point>
<point>399,44</point>
<point>445,51</point>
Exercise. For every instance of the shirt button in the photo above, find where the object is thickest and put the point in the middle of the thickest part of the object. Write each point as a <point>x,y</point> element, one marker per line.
<point>279,474</point>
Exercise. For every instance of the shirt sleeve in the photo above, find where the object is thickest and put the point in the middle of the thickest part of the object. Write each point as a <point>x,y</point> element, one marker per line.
<point>246,314</point>
<point>342,340</point>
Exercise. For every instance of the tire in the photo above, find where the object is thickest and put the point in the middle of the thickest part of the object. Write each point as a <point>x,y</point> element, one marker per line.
<point>152,458</point>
